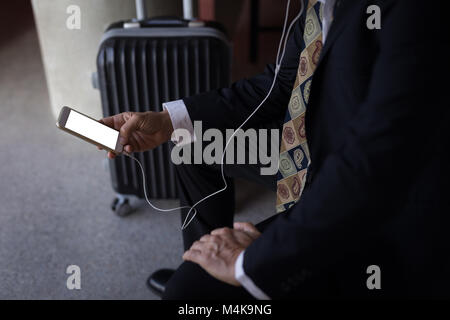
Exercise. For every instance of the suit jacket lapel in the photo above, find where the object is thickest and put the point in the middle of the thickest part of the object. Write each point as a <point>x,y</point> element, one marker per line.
<point>339,23</point>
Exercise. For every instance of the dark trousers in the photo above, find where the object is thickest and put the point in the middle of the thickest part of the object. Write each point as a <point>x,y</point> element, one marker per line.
<point>190,281</point>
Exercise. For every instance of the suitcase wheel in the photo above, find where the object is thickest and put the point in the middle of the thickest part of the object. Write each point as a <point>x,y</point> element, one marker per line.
<point>121,207</point>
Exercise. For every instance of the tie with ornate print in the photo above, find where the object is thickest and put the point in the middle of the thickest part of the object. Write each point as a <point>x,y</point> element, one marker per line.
<point>294,154</point>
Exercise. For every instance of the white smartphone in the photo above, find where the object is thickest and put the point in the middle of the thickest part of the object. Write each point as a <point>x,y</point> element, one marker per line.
<point>89,130</point>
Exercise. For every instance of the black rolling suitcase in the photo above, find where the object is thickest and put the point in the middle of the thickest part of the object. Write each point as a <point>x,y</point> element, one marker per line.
<point>141,64</point>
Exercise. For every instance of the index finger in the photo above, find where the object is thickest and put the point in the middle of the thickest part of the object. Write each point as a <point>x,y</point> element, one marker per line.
<point>116,121</point>
<point>194,255</point>
<point>108,121</point>
<point>248,228</point>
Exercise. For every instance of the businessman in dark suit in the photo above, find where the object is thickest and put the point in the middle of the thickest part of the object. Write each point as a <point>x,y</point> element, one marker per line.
<point>366,109</point>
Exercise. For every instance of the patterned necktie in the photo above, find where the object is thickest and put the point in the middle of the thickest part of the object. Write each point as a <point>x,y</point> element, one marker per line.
<point>294,154</point>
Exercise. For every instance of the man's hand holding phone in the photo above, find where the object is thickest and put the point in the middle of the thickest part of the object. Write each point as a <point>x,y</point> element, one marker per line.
<point>140,131</point>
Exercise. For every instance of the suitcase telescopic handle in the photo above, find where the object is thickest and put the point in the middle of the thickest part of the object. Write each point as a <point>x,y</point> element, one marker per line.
<point>141,10</point>
<point>188,10</point>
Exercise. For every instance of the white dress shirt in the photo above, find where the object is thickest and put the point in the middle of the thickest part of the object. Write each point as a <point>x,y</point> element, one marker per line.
<point>180,119</point>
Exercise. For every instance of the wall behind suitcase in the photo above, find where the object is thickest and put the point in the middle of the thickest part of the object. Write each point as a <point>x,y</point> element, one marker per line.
<point>69,55</point>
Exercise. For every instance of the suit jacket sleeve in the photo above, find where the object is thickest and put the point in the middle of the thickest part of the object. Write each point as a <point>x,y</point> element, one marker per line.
<point>229,107</point>
<point>371,170</point>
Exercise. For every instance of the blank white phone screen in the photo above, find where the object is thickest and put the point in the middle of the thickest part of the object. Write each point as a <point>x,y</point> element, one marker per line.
<point>92,129</point>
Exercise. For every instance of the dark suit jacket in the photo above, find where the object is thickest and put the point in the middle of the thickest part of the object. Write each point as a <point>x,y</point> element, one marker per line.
<point>376,131</point>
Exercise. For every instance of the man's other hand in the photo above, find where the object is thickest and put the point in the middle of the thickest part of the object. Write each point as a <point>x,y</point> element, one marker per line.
<point>140,131</point>
<point>218,251</point>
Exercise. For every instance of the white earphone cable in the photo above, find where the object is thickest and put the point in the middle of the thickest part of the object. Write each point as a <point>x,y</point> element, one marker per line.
<point>283,42</point>
<point>145,188</point>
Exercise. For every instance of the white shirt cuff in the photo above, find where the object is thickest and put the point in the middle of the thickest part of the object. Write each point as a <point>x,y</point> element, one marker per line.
<point>180,122</point>
<point>245,281</point>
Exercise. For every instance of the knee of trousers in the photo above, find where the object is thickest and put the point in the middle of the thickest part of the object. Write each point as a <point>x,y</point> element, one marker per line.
<point>186,283</point>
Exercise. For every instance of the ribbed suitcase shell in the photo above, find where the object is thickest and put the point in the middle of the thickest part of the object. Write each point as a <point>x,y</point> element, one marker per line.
<point>140,69</point>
